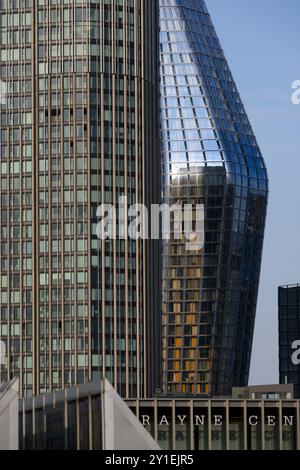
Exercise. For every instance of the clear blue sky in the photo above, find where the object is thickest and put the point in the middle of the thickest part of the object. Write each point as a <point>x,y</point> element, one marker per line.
<point>261,39</point>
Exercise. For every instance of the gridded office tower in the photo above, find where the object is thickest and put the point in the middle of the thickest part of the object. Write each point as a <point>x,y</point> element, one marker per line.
<point>210,157</point>
<point>289,336</point>
<point>79,129</point>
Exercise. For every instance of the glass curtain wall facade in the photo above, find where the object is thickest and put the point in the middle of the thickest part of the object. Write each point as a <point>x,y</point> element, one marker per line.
<point>289,336</point>
<point>211,157</point>
<point>79,129</point>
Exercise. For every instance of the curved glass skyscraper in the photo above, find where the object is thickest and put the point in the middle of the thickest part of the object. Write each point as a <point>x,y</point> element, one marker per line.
<point>210,157</point>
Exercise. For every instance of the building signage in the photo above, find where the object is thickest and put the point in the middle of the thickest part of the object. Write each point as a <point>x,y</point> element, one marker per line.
<point>217,420</point>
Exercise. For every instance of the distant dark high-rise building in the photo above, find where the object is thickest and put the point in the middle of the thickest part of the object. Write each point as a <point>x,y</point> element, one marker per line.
<point>210,157</point>
<point>79,128</point>
<point>289,336</point>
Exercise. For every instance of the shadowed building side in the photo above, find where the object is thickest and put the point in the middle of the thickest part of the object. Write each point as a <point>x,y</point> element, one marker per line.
<point>289,335</point>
